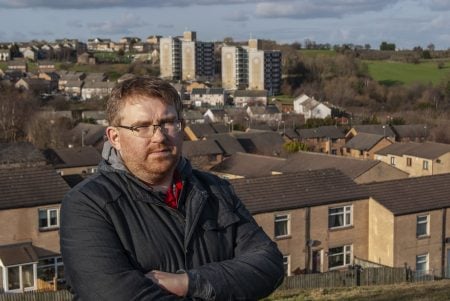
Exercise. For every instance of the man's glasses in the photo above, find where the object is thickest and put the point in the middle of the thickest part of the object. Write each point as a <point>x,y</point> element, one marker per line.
<point>147,131</point>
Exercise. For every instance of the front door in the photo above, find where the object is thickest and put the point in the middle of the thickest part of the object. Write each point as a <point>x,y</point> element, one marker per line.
<point>317,261</point>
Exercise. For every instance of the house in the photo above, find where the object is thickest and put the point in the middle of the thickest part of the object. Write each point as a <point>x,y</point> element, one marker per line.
<point>86,58</point>
<point>214,97</point>
<point>46,66</point>
<point>95,77</point>
<point>193,116</point>
<point>319,219</point>
<point>360,171</point>
<point>75,160</point>
<point>216,115</point>
<point>18,65</point>
<point>95,89</point>
<point>410,132</point>
<point>73,88</point>
<point>264,113</point>
<point>196,85</point>
<point>311,108</point>
<point>364,145</point>
<point>262,143</point>
<point>52,78</point>
<point>202,154</point>
<point>378,129</point>
<point>324,139</point>
<point>242,98</point>
<point>2,73</point>
<point>20,154</point>
<point>5,55</point>
<point>84,134</point>
<point>69,76</point>
<point>415,229</point>
<point>98,44</point>
<point>37,85</point>
<point>30,54</point>
<point>417,159</point>
<point>227,143</point>
<point>98,116</point>
<point>30,256</point>
<point>198,131</point>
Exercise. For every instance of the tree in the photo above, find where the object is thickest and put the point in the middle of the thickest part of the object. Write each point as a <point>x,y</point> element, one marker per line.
<point>387,46</point>
<point>367,46</point>
<point>294,146</point>
<point>430,47</point>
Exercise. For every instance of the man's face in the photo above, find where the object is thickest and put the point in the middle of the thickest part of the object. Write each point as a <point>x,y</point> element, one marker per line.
<point>154,159</point>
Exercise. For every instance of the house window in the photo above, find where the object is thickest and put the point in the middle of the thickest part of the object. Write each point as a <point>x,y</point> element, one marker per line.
<point>282,225</point>
<point>425,165</point>
<point>334,151</point>
<point>408,161</point>
<point>19,278</point>
<point>339,256</point>
<point>361,153</point>
<point>423,228</point>
<point>50,268</point>
<point>339,217</point>
<point>287,265</point>
<point>48,218</point>
<point>422,263</point>
<point>392,160</point>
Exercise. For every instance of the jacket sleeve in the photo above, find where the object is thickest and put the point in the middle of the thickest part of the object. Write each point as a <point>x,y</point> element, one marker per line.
<point>97,267</point>
<point>255,271</point>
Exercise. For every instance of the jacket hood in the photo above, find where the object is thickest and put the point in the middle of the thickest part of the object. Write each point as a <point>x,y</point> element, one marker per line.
<point>112,159</point>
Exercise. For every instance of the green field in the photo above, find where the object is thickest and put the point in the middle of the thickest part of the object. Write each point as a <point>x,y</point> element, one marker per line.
<point>391,73</point>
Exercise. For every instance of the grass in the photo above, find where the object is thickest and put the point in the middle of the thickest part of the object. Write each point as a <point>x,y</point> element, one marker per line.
<point>435,290</point>
<point>317,52</point>
<point>391,73</point>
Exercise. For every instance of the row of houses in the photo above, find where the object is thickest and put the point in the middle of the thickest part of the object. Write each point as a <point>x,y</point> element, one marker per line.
<point>321,218</point>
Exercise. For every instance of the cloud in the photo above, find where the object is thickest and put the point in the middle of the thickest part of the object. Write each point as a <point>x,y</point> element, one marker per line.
<point>74,23</point>
<point>439,5</point>
<point>122,25</point>
<point>89,4</point>
<point>166,26</point>
<point>237,17</point>
<point>318,9</point>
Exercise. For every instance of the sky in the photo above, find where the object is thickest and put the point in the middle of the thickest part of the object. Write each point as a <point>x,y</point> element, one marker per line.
<point>407,23</point>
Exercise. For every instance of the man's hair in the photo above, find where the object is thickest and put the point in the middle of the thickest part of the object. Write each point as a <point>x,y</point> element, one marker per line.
<point>140,86</point>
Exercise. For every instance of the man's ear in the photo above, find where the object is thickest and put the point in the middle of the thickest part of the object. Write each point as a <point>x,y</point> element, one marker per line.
<point>113,136</point>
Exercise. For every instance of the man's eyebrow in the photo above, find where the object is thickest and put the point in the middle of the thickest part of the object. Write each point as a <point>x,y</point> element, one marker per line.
<point>169,118</point>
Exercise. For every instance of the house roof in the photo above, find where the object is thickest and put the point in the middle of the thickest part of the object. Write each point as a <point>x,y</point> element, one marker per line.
<point>30,187</point>
<point>364,141</point>
<point>201,130</point>
<point>95,77</point>
<point>73,157</point>
<point>192,115</point>
<point>411,131</point>
<point>427,150</point>
<point>378,129</point>
<point>18,254</point>
<point>98,85</point>
<point>93,133</point>
<point>74,84</point>
<point>20,153</point>
<point>412,195</point>
<point>297,190</point>
<point>249,165</point>
<point>208,91</point>
<point>200,148</point>
<point>220,127</point>
<point>262,143</point>
<point>259,110</point>
<point>331,132</point>
<point>291,133</point>
<point>227,143</point>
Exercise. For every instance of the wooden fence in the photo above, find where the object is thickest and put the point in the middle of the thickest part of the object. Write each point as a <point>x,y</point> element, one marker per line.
<point>37,296</point>
<point>355,277</point>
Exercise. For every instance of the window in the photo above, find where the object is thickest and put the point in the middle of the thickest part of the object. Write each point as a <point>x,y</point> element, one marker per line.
<point>20,277</point>
<point>50,268</point>
<point>408,161</point>
<point>425,165</point>
<point>282,225</point>
<point>287,265</point>
<point>422,263</point>
<point>422,228</point>
<point>339,256</point>
<point>340,217</point>
<point>392,160</point>
<point>48,218</point>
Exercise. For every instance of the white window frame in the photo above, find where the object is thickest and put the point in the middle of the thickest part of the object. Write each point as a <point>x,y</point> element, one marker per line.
<point>21,288</point>
<point>287,264</point>
<point>393,161</point>
<point>346,210</point>
<point>57,262</point>
<point>282,217</point>
<point>425,165</point>
<point>408,161</point>
<point>423,258</point>
<point>423,219</point>
<point>346,250</point>
<point>48,226</point>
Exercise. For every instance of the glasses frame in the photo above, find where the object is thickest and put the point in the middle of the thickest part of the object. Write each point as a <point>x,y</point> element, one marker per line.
<point>135,129</point>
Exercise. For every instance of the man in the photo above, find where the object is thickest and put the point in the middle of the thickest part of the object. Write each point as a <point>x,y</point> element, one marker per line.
<point>148,227</point>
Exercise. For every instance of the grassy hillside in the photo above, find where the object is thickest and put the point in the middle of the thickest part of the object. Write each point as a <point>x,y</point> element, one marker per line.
<point>390,73</point>
<point>436,291</point>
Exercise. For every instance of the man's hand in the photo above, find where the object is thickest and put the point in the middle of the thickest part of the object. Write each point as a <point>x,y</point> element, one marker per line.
<point>176,284</point>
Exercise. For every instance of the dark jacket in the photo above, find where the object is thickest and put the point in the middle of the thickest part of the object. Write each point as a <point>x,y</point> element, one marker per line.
<point>114,229</point>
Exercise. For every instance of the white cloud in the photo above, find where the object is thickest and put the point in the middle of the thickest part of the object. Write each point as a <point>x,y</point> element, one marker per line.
<point>122,25</point>
<point>237,16</point>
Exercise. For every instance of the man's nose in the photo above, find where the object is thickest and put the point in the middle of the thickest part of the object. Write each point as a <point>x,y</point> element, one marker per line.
<point>159,135</point>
